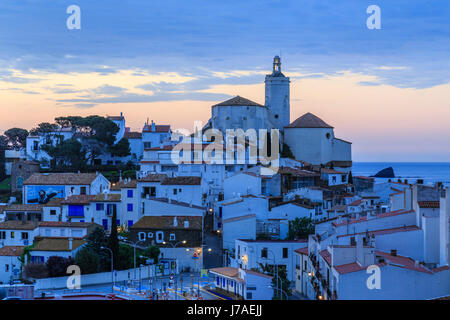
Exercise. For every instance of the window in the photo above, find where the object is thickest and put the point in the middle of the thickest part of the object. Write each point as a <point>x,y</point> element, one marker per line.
<point>147,145</point>
<point>174,191</point>
<point>24,235</point>
<point>141,236</point>
<point>99,207</point>
<point>150,235</point>
<point>83,190</point>
<point>172,236</point>
<point>159,236</point>
<point>3,235</point>
<point>186,224</point>
<point>130,193</point>
<point>285,253</point>
<point>12,234</point>
<point>129,207</point>
<point>305,267</point>
<point>6,267</point>
<point>264,253</point>
<point>130,223</point>
<point>53,212</point>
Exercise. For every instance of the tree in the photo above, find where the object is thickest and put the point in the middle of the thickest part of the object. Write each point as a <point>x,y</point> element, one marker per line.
<point>88,260</point>
<point>121,149</point>
<point>68,153</point>
<point>113,241</point>
<point>283,284</point>
<point>350,178</point>
<point>44,128</point>
<point>96,134</point>
<point>57,266</point>
<point>36,270</point>
<point>286,152</point>
<point>17,138</point>
<point>95,241</point>
<point>2,160</point>
<point>300,228</point>
<point>153,252</point>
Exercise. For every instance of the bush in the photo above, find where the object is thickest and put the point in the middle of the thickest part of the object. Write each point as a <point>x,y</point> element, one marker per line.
<point>57,266</point>
<point>35,270</point>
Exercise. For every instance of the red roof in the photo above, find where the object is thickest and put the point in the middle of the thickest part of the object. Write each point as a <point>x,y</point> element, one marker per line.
<point>302,251</point>
<point>381,215</point>
<point>429,204</point>
<point>356,202</point>
<point>385,231</point>
<point>403,262</point>
<point>326,256</point>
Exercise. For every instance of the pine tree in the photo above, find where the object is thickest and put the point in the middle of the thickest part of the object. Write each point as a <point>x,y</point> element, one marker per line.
<point>113,240</point>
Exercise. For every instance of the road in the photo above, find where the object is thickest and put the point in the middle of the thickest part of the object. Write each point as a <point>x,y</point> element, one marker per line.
<point>184,283</point>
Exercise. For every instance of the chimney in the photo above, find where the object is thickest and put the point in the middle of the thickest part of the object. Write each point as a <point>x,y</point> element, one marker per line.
<point>175,222</point>
<point>359,249</point>
<point>70,244</point>
<point>153,128</point>
<point>394,252</point>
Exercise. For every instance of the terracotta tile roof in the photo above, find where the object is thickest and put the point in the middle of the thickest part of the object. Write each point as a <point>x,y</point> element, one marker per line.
<point>331,171</point>
<point>339,208</point>
<point>349,268</point>
<point>11,251</point>
<point>153,178</point>
<point>228,272</point>
<point>182,180</point>
<point>177,203</point>
<point>61,179</point>
<point>63,224</point>
<point>382,215</point>
<point>384,231</point>
<point>124,184</point>
<point>238,101</point>
<point>297,172</point>
<point>54,202</point>
<point>24,207</point>
<point>116,118</point>
<point>244,217</point>
<point>167,222</point>
<point>308,120</point>
<point>149,161</point>
<point>17,225</point>
<point>364,178</point>
<point>356,203</point>
<point>429,204</point>
<point>161,128</point>
<point>326,256</point>
<point>111,197</point>
<point>258,274</point>
<point>403,262</point>
<point>57,244</point>
<point>303,251</point>
<point>133,135</point>
<point>78,199</point>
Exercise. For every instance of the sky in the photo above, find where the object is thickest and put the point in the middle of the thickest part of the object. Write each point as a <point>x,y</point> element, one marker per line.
<point>386,90</point>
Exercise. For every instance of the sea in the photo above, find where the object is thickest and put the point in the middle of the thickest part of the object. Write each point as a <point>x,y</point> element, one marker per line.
<point>429,172</point>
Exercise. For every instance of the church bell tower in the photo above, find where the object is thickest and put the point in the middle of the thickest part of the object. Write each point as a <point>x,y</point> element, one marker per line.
<point>278,96</point>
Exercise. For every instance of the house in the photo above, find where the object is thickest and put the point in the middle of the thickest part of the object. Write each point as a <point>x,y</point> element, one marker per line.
<point>9,263</point>
<point>40,188</point>
<point>20,171</point>
<point>55,246</point>
<point>17,233</point>
<point>246,284</point>
<point>252,254</point>
<point>179,237</point>
<point>60,229</point>
<point>23,212</point>
<point>333,177</point>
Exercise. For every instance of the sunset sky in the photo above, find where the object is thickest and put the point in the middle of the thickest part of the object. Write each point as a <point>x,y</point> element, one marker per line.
<point>387,91</point>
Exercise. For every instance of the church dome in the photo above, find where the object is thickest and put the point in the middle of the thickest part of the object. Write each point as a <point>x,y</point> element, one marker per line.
<point>308,120</point>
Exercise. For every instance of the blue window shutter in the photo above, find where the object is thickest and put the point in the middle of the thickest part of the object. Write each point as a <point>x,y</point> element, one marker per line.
<point>130,193</point>
<point>130,223</point>
<point>130,207</point>
<point>76,211</point>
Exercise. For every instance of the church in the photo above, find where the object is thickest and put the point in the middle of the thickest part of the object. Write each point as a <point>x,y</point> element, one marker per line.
<point>309,138</point>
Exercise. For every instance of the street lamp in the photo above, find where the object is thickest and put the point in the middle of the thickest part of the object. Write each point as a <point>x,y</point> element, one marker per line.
<point>112,267</point>
<point>134,245</point>
<point>174,245</point>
